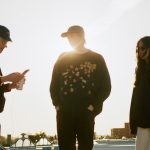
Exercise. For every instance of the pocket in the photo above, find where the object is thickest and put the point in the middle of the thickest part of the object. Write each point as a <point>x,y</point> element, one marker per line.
<point>89,112</point>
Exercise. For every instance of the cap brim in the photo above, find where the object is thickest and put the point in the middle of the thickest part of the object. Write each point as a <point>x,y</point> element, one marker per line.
<point>65,34</point>
<point>7,39</point>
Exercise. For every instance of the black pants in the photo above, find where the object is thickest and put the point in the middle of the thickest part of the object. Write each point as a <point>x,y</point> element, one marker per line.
<point>72,126</point>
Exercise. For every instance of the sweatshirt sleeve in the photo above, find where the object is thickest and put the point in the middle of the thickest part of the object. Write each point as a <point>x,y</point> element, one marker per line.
<point>103,85</point>
<point>2,103</point>
<point>4,88</point>
<point>55,84</point>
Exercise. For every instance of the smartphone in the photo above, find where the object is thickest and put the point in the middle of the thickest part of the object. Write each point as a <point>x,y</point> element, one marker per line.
<point>25,71</point>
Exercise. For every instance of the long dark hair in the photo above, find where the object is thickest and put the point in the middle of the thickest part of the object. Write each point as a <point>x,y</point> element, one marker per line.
<point>142,66</point>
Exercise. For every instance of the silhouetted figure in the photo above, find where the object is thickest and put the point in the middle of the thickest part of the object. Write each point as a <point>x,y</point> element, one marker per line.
<point>80,84</point>
<point>140,103</point>
<point>12,78</point>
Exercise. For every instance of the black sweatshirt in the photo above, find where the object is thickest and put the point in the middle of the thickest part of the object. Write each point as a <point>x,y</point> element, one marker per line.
<point>140,104</point>
<point>79,80</point>
<point>3,89</point>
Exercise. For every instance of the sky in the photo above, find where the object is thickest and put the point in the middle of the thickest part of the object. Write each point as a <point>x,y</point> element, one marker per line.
<point>112,28</point>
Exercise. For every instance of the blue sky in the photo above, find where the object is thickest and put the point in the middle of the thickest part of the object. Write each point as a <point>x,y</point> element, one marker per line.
<point>112,28</point>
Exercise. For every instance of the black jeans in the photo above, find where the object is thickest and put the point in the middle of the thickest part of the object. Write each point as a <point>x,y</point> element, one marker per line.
<point>72,126</point>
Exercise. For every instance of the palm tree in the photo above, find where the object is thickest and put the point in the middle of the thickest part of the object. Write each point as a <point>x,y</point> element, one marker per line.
<point>43,135</point>
<point>32,139</point>
<point>23,138</point>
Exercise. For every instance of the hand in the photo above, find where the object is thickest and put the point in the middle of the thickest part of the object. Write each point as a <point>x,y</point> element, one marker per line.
<point>12,86</point>
<point>20,84</point>
<point>90,108</point>
<point>57,108</point>
<point>13,77</point>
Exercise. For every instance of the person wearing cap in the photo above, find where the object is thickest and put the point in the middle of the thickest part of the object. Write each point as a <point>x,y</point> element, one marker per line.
<point>12,78</point>
<point>79,86</point>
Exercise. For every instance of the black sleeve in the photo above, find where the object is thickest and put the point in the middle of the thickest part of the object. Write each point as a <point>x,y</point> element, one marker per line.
<point>55,82</point>
<point>2,102</point>
<point>4,88</point>
<point>103,86</point>
<point>105,83</point>
<point>54,86</point>
<point>132,115</point>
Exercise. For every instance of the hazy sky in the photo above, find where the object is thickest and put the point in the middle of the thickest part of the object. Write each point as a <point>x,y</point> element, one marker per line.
<point>112,28</point>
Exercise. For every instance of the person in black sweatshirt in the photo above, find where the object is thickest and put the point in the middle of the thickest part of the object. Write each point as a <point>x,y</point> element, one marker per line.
<point>140,102</point>
<point>79,86</point>
<point>7,82</point>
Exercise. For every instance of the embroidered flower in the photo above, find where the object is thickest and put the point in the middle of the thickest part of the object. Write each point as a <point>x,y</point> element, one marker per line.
<point>76,77</point>
<point>65,73</point>
<point>65,93</point>
<point>76,69</point>
<point>74,80</point>
<point>71,90</point>
<point>77,74</point>
<point>71,85</point>
<point>71,66</point>
<point>65,82</point>
<point>92,84</point>
<point>89,92</point>
<point>84,81</point>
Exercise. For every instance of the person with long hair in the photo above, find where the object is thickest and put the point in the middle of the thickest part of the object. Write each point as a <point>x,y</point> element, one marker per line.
<point>140,102</point>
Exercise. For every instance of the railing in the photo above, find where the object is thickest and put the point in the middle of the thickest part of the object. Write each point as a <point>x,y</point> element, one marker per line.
<point>2,148</point>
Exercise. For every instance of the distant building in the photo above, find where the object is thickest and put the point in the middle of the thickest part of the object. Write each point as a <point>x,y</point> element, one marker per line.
<point>9,139</point>
<point>0,129</point>
<point>121,132</point>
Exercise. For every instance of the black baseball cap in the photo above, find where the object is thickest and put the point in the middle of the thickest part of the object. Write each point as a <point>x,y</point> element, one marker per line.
<point>5,33</point>
<point>73,29</point>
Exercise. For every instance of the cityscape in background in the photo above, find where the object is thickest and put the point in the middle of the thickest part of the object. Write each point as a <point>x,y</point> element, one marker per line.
<point>42,138</point>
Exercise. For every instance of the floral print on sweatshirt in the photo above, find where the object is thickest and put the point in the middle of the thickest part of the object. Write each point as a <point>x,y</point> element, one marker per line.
<point>78,77</point>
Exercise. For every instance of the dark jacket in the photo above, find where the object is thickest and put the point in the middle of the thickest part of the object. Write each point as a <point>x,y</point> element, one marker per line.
<point>140,104</point>
<point>79,80</point>
<point>3,89</point>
